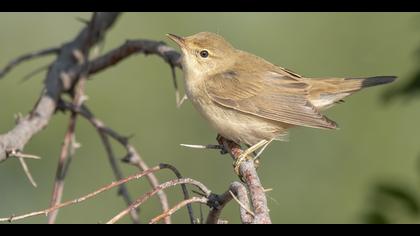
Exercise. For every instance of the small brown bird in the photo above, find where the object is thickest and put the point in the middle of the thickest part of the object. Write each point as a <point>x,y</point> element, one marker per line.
<point>249,100</point>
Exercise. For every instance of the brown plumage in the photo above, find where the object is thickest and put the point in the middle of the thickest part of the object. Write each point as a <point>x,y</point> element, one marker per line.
<point>248,99</point>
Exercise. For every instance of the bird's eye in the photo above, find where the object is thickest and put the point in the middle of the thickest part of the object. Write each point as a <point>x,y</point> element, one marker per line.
<point>204,54</point>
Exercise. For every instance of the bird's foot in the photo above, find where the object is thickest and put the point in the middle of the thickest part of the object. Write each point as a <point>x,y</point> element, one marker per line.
<point>247,156</point>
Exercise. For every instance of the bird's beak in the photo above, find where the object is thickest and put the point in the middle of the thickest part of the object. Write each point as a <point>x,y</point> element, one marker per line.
<point>177,39</point>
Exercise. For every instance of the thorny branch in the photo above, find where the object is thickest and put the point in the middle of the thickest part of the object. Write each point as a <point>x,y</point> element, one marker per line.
<point>132,157</point>
<point>84,198</point>
<point>136,204</point>
<point>55,84</point>
<point>163,186</point>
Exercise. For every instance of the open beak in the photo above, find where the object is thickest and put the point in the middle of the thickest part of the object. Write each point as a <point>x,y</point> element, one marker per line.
<point>177,39</point>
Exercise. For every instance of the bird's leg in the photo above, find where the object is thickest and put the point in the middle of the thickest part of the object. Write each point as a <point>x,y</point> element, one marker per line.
<point>223,149</point>
<point>245,155</point>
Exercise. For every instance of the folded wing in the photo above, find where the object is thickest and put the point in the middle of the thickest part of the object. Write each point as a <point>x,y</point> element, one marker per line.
<point>273,95</point>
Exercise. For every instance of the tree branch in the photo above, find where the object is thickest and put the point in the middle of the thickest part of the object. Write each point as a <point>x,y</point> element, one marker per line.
<point>241,193</point>
<point>15,62</point>
<point>84,198</point>
<point>55,81</point>
<point>248,172</point>
<point>161,187</point>
<point>123,191</point>
<point>129,48</point>
<point>135,158</point>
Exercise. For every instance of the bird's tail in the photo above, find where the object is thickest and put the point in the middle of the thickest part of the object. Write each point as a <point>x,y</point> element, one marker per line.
<point>326,92</point>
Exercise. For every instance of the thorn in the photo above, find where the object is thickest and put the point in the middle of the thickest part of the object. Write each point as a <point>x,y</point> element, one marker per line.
<point>128,158</point>
<point>19,154</point>
<point>77,145</point>
<point>27,172</point>
<point>241,204</point>
<point>209,146</point>
<point>11,218</point>
<point>222,222</point>
<point>18,118</point>
<point>83,99</point>
<point>180,102</point>
<point>65,79</point>
<point>78,55</point>
<point>96,51</point>
<point>81,20</point>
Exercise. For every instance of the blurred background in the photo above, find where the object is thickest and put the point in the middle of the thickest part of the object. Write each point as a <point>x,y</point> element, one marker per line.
<point>366,172</point>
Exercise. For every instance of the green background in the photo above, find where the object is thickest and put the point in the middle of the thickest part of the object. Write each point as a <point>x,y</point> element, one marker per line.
<point>317,177</point>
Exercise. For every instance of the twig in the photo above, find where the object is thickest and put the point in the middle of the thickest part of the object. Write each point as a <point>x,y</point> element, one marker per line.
<point>184,190</point>
<point>84,198</point>
<point>129,48</point>
<point>178,206</point>
<point>123,191</point>
<point>248,172</point>
<point>63,165</point>
<point>26,57</point>
<point>149,194</point>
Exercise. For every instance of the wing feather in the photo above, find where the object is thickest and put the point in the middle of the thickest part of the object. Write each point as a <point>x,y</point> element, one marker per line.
<point>270,95</point>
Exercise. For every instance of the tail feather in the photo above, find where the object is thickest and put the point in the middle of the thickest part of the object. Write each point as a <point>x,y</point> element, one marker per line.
<point>373,81</point>
<point>326,92</point>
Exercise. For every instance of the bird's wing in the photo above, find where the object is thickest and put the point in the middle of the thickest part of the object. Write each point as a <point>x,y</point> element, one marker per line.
<point>274,95</point>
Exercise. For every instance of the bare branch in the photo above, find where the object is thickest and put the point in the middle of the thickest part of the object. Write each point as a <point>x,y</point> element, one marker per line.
<point>62,168</point>
<point>69,144</point>
<point>249,174</point>
<point>133,155</point>
<point>42,112</point>
<point>27,57</point>
<point>84,198</point>
<point>184,190</point>
<point>242,195</point>
<point>149,194</point>
<point>130,47</point>
<point>178,206</point>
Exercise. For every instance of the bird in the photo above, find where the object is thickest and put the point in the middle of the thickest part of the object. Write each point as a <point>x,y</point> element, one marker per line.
<point>252,101</point>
